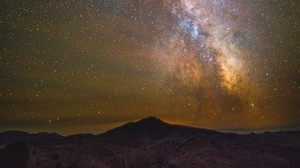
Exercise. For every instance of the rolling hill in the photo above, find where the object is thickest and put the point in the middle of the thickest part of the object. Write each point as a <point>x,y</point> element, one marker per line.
<point>151,142</point>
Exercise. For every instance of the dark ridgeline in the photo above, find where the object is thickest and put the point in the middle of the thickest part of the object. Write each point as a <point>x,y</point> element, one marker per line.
<point>150,142</point>
<point>152,128</point>
<point>26,137</point>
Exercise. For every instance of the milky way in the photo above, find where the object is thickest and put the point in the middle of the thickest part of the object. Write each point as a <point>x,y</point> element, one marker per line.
<point>87,66</point>
<point>213,51</point>
<point>209,49</point>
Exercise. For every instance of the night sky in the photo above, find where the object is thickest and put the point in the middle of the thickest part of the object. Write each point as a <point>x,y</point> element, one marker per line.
<point>90,65</point>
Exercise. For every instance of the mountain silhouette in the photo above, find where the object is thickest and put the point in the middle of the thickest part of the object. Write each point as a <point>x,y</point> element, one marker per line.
<point>27,137</point>
<point>153,128</point>
<point>151,142</point>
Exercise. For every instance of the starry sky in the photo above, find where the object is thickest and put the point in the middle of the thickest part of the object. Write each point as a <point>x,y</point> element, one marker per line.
<point>90,65</point>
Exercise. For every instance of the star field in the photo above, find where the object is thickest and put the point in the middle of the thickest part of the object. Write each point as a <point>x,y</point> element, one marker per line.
<point>88,66</point>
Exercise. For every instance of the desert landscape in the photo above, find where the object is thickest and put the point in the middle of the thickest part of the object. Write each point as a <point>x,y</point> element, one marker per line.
<point>150,142</point>
<point>150,84</point>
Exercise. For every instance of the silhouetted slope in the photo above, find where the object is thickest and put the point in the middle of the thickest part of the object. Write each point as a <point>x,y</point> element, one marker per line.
<point>152,127</point>
<point>151,142</point>
<point>27,137</point>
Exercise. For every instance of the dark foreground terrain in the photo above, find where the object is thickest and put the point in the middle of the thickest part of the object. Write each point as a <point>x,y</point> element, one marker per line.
<point>150,143</point>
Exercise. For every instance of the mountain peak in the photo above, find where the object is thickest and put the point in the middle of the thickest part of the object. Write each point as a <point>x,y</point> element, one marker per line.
<point>146,127</point>
<point>152,127</point>
<point>150,120</point>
